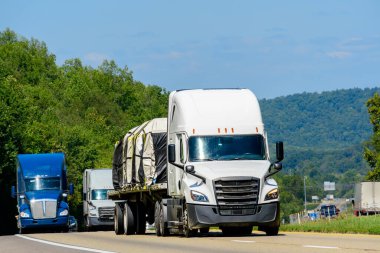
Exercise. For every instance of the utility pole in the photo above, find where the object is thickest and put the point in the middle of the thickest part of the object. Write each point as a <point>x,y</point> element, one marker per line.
<point>304,190</point>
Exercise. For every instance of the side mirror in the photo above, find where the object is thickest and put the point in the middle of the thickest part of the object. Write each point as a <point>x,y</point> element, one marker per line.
<point>71,188</point>
<point>13,192</point>
<point>279,151</point>
<point>189,169</point>
<point>171,153</point>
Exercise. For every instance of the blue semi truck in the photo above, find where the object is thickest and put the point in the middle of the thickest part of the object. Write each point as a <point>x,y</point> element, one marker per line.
<point>42,192</point>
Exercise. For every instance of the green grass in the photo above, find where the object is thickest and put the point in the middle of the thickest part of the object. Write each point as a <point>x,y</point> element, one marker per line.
<point>343,224</point>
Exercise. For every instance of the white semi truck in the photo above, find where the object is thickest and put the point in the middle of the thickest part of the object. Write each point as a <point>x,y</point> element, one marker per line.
<point>98,210</point>
<point>206,165</point>
<point>367,198</point>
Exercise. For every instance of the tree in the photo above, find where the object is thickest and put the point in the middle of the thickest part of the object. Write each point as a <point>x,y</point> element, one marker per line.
<point>372,147</point>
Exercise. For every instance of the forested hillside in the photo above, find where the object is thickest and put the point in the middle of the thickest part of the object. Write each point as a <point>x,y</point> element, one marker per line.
<point>83,111</point>
<point>323,135</point>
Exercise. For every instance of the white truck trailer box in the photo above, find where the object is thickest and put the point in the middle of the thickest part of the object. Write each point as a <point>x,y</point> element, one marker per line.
<point>367,198</point>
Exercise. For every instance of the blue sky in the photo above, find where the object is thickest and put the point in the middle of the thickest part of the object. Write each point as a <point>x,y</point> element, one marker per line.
<point>275,48</point>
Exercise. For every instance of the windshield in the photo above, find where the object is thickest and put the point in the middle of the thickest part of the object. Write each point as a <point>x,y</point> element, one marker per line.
<point>42,183</point>
<point>99,194</point>
<point>230,147</point>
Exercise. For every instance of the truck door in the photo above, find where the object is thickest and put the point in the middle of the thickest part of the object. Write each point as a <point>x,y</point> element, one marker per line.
<point>175,172</point>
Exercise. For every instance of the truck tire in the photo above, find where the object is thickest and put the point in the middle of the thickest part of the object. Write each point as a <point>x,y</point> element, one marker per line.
<point>129,219</point>
<point>118,220</point>
<point>271,231</point>
<point>87,225</point>
<point>164,231</point>
<point>187,231</point>
<point>157,212</point>
<point>140,218</point>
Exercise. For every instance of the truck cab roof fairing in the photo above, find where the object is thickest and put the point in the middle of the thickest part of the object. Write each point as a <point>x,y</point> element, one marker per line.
<point>47,165</point>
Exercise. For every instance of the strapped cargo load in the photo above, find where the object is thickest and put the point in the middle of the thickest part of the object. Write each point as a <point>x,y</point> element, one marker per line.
<point>117,165</point>
<point>140,157</point>
<point>150,152</point>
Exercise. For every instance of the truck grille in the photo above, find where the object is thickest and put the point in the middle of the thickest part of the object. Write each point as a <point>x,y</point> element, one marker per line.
<point>106,213</point>
<point>44,209</point>
<point>237,195</point>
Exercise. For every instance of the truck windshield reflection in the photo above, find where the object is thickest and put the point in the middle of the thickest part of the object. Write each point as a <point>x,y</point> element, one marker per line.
<point>229,147</point>
<point>42,183</point>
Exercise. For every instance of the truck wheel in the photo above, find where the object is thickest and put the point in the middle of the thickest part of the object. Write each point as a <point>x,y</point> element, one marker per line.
<point>118,220</point>
<point>129,220</point>
<point>187,232</point>
<point>164,231</point>
<point>86,221</point>
<point>270,231</point>
<point>141,218</point>
<point>157,212</point>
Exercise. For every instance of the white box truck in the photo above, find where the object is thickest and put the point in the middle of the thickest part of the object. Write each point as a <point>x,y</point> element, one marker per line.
<point>206,165</point>
<point>367,198</point>
<point>98,210</point>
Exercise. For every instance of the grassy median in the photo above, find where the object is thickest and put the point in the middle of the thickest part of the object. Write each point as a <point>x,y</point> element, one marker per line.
<point>342,224</point>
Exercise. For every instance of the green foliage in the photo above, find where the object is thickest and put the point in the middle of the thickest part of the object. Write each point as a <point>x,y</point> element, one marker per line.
<point>75,109</point>
<point>372,147</point>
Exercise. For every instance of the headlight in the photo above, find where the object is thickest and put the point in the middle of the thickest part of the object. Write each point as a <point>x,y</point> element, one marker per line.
<point>273,194</point>
<point>24,215</point>
<point>197,196</point>
<point>64,213</point>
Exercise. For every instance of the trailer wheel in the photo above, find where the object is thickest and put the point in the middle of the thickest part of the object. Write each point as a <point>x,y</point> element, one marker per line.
<point>157,212</point>
<point>141,219</point>
<point>164,231</point>
<point>129,219</point>
<point>118,220</point>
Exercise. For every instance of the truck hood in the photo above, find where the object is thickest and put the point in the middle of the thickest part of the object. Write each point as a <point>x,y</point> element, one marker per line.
<point>217,169</point>
<point>48,194</point>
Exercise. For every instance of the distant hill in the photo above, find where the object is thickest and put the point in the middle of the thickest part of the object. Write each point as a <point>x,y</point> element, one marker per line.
<point>323,133</point>
<point>327,120</point>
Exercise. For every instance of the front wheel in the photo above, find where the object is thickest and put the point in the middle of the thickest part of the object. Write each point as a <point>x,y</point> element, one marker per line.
<point>272,231</point>
<point>187,231</point>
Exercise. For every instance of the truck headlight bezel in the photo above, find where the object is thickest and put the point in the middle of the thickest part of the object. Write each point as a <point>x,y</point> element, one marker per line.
<point>272,194</point>
<point>198,196</point>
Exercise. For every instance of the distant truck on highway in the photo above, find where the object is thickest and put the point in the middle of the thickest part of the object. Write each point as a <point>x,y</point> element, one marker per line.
<point>42,192</point>
<point>367,198</point>
<point>206,165</point>
<point>98,210</point>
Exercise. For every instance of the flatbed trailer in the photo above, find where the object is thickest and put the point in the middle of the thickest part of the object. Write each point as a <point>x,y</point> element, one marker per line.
<point>137,204</point>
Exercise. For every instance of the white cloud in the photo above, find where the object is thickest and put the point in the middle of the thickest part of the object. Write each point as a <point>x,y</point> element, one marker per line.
<point>339,54</point>
<point>94,58</point>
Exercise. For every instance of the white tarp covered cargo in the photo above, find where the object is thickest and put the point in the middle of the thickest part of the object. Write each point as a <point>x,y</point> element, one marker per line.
<point>149,140</point>
<point>140,157</point>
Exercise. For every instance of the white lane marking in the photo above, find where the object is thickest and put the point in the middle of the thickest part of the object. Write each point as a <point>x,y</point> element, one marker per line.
<point>243,241</point>
<point>64,245</point>
<point>320,247</point>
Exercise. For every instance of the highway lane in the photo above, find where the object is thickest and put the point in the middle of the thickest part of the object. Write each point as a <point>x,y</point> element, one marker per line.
<point>214,243</point>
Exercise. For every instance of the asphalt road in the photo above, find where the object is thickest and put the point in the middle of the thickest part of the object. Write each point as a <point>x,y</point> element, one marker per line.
<point>107,242</point>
